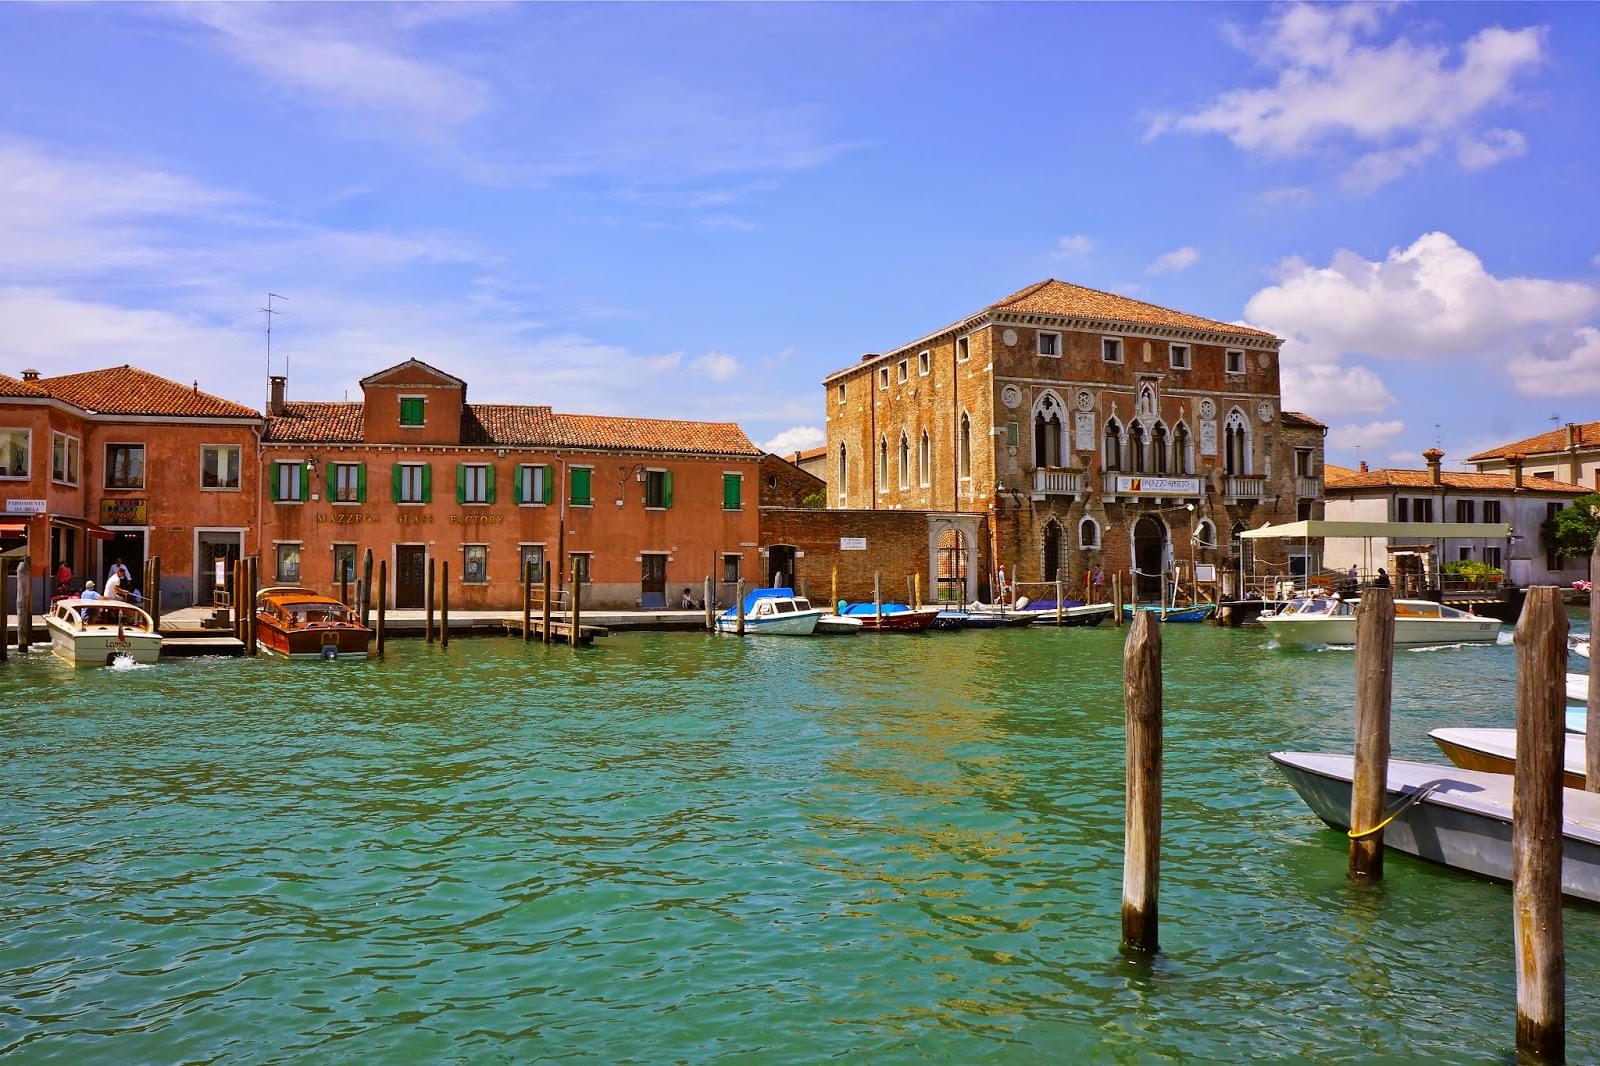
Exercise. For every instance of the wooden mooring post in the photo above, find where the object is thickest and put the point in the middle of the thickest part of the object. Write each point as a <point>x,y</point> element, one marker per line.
<point>911,595</point>
<point>24,603</point>
<point>1374,689</point>
<point>344,585</point>
<point>365,593</point>
<point>544,608</point>
<point>444,603</point>
<point>577,609</point>
<point>152,596</point>
<point>427,604</point>
<point>877,597</point>
<point>5,630</point>
<point>1116,596</point>
<point>710,605</point>
<point>833,604</point>
<point>1536,838</point>
<point>916,589</point>
<point>236,601</point>
<point>1591,745</point>
<point>1058,599</point>
<point>251,574</point>
<point>738,608</point>
<point>1141,851</point>
<point>527,601</point>
<point>383,597</point>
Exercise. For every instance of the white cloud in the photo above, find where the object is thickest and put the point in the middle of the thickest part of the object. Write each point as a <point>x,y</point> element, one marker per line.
<point>718,366</point>
<point>1172,262</point>
<point>1370,437</point>
<point>1376,169</point>
<point>1073,247</point>
<point>796,439</point>
<point>1567,364</point>
<point>1477,151</point>
<point>1327,390</point>
<point>1334,84</point>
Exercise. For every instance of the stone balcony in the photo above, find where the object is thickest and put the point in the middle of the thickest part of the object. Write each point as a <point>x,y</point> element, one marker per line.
<point>1245,488</point>
<point>1051,481</point>
<point>1307,488</point>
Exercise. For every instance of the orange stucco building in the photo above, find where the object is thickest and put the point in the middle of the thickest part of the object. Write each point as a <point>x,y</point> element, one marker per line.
<point>640,509</point>
<point>122,464</point>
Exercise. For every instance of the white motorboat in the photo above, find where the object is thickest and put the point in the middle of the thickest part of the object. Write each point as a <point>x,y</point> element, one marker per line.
<point>773,611</point>
<point>1462,819</point>
<point>845,624</point>
<point>1311,620</point>
<point>1578,689</point>
<point>99,632</point>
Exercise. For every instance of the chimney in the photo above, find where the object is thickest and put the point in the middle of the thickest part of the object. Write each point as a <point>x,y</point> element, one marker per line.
<point>1514,461</point>
<point>1432,457</point>
<point>1571,437</point>
<point>1363,466</point>
<point>275,406</point>
<point>30,374</point>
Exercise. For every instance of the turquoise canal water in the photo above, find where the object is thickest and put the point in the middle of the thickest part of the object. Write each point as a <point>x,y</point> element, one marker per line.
<point>681,848</point>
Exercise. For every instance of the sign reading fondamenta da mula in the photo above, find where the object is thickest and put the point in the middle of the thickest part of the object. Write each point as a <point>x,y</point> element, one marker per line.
<point>852,544</point>
<point>1159,486</point>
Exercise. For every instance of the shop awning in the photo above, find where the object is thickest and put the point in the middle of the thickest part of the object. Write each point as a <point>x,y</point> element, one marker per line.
<point>95,530</point>
<point>1406,531</point>
<point>12,529</point>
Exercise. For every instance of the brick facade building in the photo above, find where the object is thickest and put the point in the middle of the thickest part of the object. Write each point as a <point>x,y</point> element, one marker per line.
<point>1095,432</point>
<point>641,507</point>
<point>785,484</point>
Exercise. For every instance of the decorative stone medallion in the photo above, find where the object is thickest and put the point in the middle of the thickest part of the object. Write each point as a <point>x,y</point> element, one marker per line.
<point>1085,401</point>
<point>1010,337</point>
<point>1263,360</point>
<point>1207,408</point>
<point>1264,409</point>
<point>1011,396</point>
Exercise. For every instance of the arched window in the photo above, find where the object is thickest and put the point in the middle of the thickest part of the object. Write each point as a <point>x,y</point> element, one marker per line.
<point>1182,461</point>
<point>1205,535</point>
<point>1136,454</point>
<point>883,464</point>
<point>1158,449</point>
<point>1236,443</point>
<point>1049,431</point>
<point>964,446</point>
<point>1112,460</point>
<point>905,460</point>
<point>1054,548</point>
<point>844,472</point>
<point>1088,533</point>
<point>924,460</point>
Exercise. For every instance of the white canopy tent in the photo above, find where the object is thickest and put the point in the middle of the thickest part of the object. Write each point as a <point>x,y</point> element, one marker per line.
<point>1406,532</point>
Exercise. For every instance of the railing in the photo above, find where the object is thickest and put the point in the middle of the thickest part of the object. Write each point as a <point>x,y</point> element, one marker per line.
<point>1245,488</point>
<point>1057,482</point>
<point>1307,488</point>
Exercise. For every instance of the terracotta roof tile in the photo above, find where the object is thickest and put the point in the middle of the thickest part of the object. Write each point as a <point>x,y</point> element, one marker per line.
<point>1052,297</point>
<point>126,390</point>
<point>653,434</point>
<point>1585,434</point>
<point>1298,418</point>
<point>1421,479</point>
<point>10,386</point>
<point>319,423</point>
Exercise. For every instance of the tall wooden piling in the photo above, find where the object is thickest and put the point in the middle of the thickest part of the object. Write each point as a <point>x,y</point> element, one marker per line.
<point>344,585</point>
<point>365,595</point>
<point>710,606</point>
<point>427,605</point>
<point>544,608</point>
<point>444,603</point>
<point>1116,596</point>
<point>152,596</point>
<point>1058,600</point>
<point>1536,841</point>
<point>577,608</point>
<point>1374,689</point>
<point>738,604</point>
<point>5,629</point>
<point>877,597</point>
<point>911,595</point>
<point>251,575</point>
<point>916,589</point>
<point>1141,851</point>
<point>236,601</point>
<point>527,601</point>
<point>24,603</point>
<point>383,597</point>
<point>144,585</point>
<point>1591,746</point>
<point>833,604</point>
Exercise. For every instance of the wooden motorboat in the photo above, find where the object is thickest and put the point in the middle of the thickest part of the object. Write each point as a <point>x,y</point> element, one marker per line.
<point>892,617</point>
<point>99,632</point>
<point>775,611</point>
<point>1313,620</point>
<point>959,619</point>
<point>299,623</point>
<point>1196,612</point>
<point>1462,820</point>
<point>1494,751</point>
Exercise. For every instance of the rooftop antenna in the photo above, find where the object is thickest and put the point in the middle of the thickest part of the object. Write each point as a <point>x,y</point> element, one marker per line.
<point>1555,420</point>
<point>1438,437</point>
<point>269,311</point>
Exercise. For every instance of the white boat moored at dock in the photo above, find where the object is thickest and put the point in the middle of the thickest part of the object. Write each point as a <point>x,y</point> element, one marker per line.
<point>1312,620</point>
<point>99,632</point>
<point>772,611</point>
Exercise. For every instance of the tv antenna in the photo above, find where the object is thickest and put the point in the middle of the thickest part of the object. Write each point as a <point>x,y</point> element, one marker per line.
<point>1555,420</point>
<point>269,311</point>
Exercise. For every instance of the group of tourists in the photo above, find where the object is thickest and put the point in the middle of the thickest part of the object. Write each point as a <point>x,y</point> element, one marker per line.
<point>119,584</point>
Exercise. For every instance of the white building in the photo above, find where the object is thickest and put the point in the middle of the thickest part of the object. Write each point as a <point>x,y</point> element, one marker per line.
<point>1571,453</point>
<point>1525,502</point>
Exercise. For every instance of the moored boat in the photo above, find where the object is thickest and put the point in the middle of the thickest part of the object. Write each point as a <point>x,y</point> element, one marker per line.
<point>1578,688</point>
<point>99,632</point>
<point>1462,818</point>
<point>775,611</point>
<point>892,617</point>
<point>299,623</point>
<point>1494,751</point>
<point>1312,620</point>
<point>1197,612</point>
<point>959,619</point>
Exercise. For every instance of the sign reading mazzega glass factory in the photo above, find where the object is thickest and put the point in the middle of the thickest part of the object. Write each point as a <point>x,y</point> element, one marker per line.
<point>1159,486</point>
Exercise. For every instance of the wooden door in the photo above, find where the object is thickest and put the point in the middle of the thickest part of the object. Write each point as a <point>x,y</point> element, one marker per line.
<point>653,580</point>
<point>410,571</point>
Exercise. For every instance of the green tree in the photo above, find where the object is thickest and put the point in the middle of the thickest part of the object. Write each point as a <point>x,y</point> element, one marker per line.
<point>1571,531</point>
<point>819,499</point>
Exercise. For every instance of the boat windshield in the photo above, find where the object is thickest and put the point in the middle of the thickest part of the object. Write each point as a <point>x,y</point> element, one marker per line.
<point>784,606</point>
<point>802,605</point>
<point>316,613</point>
<point>1316,605</point>
<point>110,615</point>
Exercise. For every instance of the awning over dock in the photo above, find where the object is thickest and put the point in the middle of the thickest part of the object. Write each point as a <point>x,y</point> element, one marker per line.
<point>1402,530</point>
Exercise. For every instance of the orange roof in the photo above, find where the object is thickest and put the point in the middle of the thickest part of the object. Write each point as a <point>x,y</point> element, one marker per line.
<point>523,425</point>
<point>809,453</point>
<point>10,386</point>
<point>1052,297</point>
<point>1421,479</point>
<point>1584,434</point>
<point>125,390</point>
<point>1298,418</point>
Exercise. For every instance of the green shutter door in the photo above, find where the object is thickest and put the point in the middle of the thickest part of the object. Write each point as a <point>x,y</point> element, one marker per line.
<point>580,486</point>
<point>666,493</point>
<point>488,483</point>
<point>730,492</point>
<point>516,485</point>
<point>305,481</point>
<point>461,482</point>
<point>330,483</point>
<point>361,483</point>
<point>549,493</point>
<point>275,482</point>
<point>427,482</point>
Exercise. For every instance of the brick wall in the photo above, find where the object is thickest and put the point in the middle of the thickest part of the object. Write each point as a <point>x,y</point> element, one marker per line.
<point>897,545</point>
<point>783,484</point>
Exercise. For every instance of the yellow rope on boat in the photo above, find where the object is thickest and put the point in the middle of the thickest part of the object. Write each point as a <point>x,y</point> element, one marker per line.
<point>1405,805</point>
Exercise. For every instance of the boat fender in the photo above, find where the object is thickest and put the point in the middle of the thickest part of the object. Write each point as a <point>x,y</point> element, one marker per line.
<point>330,651</point>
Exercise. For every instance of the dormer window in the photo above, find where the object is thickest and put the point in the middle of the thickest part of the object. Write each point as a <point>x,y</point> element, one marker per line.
<point>412,410</point>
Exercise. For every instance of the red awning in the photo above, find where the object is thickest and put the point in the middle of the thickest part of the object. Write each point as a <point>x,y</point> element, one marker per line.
<point>12,529</point>
<point>97,532</point>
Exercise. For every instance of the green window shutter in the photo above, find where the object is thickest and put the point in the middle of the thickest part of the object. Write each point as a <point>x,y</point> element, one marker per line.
<point>667,488</point>
<point>397,472</point>
<point>361,483</point>
<point>549,484</point>
<point>580,486</point>
<point>275,481</point>
<point>330,483</point>
<point>516,485</point>
<point>427,482</point>
<point>305,481</point>
<point>488,483</point>
<point>730,492</point>
<point>461,482</point>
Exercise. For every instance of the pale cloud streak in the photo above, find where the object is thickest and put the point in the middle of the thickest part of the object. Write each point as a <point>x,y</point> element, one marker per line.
<point>796,439</point>
<point>1075,246</point>
<point>1175,261</point>
<point>1369,437</point>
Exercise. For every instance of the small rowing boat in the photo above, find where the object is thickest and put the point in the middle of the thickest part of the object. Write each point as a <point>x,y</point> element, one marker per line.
<point>1460,818</point>
<point>1494,751</point>
<point>1198,612</point>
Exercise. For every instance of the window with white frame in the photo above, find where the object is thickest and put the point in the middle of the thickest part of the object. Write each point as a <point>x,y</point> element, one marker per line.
<point>349,483</point>
<point>474,484</point>
<point>14,453</point>
<point>1088,533</point>
<point>288,564</point>
<point>532,479</point>
<point>530,558</point>
<point>344,563</point>
<point>905,460</point>
<point>1111,349</point>
<point>883,464</point>
<point>731,568</point>
<point>474,564</point>
<point>844,472</point>
<point>964,448</point>
<point>839,392</point>
<point>901,371</point>
<point>924,460</point>
<point>1050,344</point>
<point>1235,361</point>
<point>289,480</point>
<point>924,363</point>
<point>409,482</point>
<point>219,466</point>
<point>66,458</point>
<point>1178,356</point>
<point>124,466</point>
<point>580,567</point>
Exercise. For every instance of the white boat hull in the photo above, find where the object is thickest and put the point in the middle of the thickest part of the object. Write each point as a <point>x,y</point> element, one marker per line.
<point>1316,629</point>
<point>838,623</point>
<point>1464,823</point>
<point>97,646</point>
<point>1578,689</point>
<point>797,624</point>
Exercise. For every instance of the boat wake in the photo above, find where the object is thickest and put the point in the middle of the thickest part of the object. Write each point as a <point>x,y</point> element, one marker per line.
<point>125,662</point>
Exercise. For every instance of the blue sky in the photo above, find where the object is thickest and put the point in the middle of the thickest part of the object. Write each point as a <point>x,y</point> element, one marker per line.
<point>698,211</point>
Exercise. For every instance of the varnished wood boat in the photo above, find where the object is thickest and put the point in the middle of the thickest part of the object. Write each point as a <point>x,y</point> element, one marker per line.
<point>299,623</point>
<point>1494,751</point>
<point>892,617</point>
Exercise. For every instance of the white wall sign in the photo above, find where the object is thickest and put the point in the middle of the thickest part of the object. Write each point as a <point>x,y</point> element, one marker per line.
<point>24,507</point>
<point>1083,431</point>
<point>1205,572</point>
<point>1137,484</point>
<point>1208,438</point>
<point>852,544</point>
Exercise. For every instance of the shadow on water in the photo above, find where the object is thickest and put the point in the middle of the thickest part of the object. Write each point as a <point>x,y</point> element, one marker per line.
<point>675,846</point>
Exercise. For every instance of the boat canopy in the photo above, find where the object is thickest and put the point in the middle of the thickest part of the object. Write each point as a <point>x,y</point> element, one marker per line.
<point>1310,528</point>
<point>755,596</point>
